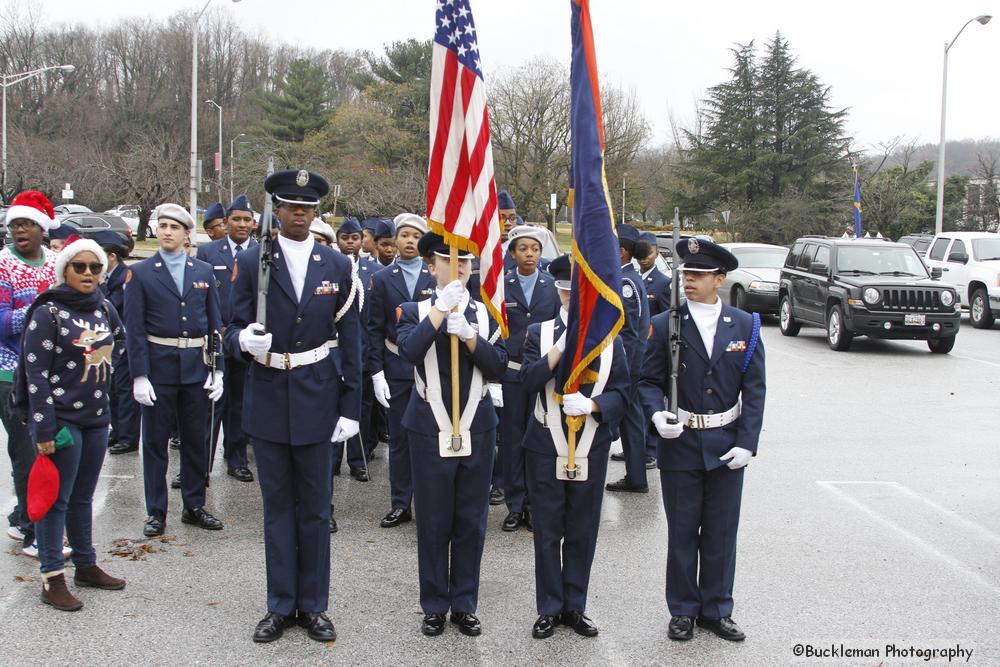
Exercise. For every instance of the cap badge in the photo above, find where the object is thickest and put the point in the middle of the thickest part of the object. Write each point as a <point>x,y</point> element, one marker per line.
<point>302,178</point>
<point>693,246</point>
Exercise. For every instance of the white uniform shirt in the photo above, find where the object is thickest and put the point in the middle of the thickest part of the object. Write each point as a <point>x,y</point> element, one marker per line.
<point>706,318</point>
<point>297,259</point>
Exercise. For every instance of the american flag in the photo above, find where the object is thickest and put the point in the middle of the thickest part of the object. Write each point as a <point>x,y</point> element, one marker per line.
<point>461,192</point>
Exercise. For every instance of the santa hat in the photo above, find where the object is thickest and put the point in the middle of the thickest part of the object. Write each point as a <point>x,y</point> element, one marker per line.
<point>74,248</point>
<point>33,205</point>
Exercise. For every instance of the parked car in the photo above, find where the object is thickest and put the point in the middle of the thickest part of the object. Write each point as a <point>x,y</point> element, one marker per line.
<point>754,285</point>
<point>128,213</point>
<point>88,223</point>
<point>68,209</point>
<point>971,262</point>
<point>865,287</point>
<point>920,242</point>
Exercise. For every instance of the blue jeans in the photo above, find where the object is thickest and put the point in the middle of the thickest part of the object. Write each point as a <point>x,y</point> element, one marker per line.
<point>79,467</point>
<point>22,456</point>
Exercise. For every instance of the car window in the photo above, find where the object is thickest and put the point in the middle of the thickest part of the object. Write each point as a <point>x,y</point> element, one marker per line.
<point>921,245</point>
<point>805,259</point>
<point>760,258</point>
<point>885,261</point>
<point>957,248</point>
<point>937,251</point>
<point>985,250</point>
<point>822,256</point>
<point>793,255</point>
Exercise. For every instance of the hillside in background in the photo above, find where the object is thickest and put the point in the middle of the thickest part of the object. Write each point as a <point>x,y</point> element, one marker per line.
<point>961,157</point>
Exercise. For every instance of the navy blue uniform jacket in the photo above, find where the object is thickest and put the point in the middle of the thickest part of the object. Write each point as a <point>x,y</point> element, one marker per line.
<point>300,406</point>
<point>219,254</point>
<point>657,291</point>
<point>613,401</point>
<point>114,287</point>
<point>520,314</point>
<point>387,292</point>
<point>153,307</point>
<point>636,328</point>
<point>705,386</point>
<point>415,337</point>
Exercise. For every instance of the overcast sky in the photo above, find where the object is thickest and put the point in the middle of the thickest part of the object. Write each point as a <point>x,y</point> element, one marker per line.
<point>882,58</point>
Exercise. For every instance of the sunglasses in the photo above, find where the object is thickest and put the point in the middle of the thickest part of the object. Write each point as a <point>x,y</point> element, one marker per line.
<point>81,267</point>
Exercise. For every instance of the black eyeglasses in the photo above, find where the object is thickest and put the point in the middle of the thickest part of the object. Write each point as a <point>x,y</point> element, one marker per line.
<point>81,267</point>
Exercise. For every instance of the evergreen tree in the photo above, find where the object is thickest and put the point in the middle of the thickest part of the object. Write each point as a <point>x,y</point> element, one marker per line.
<point>299,105</point>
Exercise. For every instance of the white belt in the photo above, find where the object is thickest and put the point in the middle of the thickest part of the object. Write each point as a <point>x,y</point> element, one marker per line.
<point>701,422</point>
<point>392,347</point>
<point>181,343</point>
<point>541,415</point>
<point>513,365</point>
<point>421,388</point>
<point>286,361</point>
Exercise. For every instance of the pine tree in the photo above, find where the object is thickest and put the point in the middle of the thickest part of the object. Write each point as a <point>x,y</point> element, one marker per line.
<point>299,105</point>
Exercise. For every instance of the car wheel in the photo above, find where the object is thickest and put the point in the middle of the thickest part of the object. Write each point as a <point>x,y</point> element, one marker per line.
<point>979,310</point>
<point>837,334</point>
<point>739,299</point>
<point>941,345</point>
<point>787,323</point>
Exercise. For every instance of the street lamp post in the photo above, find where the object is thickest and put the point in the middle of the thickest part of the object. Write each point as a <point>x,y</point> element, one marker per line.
<point>218,166</point>
<point>194,110</point>
<point>232,161</point>
<point>6,81</point>
<point>939,213</point>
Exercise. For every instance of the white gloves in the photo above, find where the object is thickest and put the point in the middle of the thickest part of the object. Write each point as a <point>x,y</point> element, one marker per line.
<point>345,430</point>
<point>450,296</point>
<point>496,394</point>
<point>561,343</point>
<point>737,457</point>
<point>458,325</point>
<point>252,342</point>
<point>214,385</point>
<point>142,391</point>
<point>382,394</point>
<point>577,404</point>
<point>667,430</point>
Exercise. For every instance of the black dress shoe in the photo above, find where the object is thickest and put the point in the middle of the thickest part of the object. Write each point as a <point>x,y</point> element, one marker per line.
<point>467,624</point>
<point>199,517</point>
<point>650,463</point>
<point>359,474</point>
<point>526,520</point>
<point>723,627</point>
<point>318,626</point>
<point>175,443</point>
<point>242,474</point>
<point>333,525</point>
<point>271,627</point>
<point>396,517</point>
<point>176,482</point>
<point>122,448</point>
<point>681,628</point>
<point>544,627</point>
<point>618,457</point>
<point>580,623</point>
<point>433,625</point>
<point>496,496</point>
<point>511,523</point>
<point>155,525</point>
<point>623,485</point>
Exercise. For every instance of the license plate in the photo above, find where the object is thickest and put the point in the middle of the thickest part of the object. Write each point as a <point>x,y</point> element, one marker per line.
<point>914,320</point>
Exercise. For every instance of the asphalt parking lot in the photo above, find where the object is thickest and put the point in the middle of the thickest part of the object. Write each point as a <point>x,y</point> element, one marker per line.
<point>871,517</point>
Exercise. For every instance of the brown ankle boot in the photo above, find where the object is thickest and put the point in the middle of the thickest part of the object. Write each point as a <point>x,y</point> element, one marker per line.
<point>55,593</point>
<point>95,577</point>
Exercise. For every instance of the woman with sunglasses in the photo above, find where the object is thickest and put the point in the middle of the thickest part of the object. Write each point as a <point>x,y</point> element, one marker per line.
<point>67,347</point>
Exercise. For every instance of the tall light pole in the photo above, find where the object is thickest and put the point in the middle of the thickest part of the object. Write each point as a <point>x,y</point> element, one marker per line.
<point>218,165</point>
<point>194,110</point>
<point>232,161</point>
<point>7,80</point>
<point>623,197</point>
<point>939,213</point>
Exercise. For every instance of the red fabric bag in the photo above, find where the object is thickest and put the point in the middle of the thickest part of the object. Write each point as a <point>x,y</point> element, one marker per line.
<point>43,487</point>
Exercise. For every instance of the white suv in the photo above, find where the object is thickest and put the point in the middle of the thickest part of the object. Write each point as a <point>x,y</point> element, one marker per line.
<point>971,262</point>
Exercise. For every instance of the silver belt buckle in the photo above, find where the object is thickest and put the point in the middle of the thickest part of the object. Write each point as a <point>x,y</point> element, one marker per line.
<point>285,361</point>
<point>182,343</point>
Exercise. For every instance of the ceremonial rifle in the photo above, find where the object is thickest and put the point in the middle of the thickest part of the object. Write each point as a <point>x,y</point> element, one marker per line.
<point>213,363</point>
<point>266,261</point>
<point>675,319</point>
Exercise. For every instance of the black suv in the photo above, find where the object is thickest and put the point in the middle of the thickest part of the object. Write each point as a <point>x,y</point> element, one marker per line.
<point>862,287</point>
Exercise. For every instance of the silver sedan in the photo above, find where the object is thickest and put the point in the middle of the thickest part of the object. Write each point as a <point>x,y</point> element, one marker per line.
<point>754,285</point>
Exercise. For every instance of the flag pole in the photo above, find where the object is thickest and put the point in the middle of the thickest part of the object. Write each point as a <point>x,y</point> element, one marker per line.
<point>456,434</point>
<point>573,424</point>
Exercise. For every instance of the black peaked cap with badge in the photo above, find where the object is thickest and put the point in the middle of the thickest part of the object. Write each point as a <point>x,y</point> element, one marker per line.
<point>561,269</point>
<point>434,244</point>
<point>297,186</point>
<point>704,255</point>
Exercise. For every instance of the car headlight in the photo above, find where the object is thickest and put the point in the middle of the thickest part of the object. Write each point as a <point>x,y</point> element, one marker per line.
<point>763,286</point>
<point>947,298</point>
<point>871,295</point>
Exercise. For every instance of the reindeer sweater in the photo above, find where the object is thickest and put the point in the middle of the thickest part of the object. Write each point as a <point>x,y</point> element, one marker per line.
<point>68,361</point>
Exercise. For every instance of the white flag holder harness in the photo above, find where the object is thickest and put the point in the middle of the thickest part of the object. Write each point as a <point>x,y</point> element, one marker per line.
<point>552,417</point>
<point>431,390</point>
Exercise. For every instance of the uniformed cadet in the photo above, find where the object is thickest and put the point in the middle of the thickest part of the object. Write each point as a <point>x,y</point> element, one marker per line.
<point>702,457</point>
<point>450,488</point>
<point>222,254</point>
<point>368,251</point>
<point>297,399</point>
<point>531,297</point>
<point>214,221</point>
<point>633,335</point>
<point>407,280</point>
<point>385,243</point>
<point>125,412</point>
<point>567,512</point>
<point>508,214</point>
<point>322,232</point>
<point>171,311</point>
<point>656,282</point>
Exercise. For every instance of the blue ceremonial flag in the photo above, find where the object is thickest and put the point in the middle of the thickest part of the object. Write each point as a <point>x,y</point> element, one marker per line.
<point>595,313</point>
<point>857,203</point>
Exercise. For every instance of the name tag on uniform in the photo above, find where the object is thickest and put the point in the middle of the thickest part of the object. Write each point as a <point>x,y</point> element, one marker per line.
<point>511,304</point>
<point>326,287</point>
<point>737,346</point>
<point>220,268</point>
<point>200,285</point>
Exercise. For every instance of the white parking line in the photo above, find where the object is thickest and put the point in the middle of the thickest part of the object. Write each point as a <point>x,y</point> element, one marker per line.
<point>954,562</point>
<point>978,361</point>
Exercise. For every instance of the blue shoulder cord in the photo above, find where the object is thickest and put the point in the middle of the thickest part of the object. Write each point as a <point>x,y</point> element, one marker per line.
<point>754,337</point>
